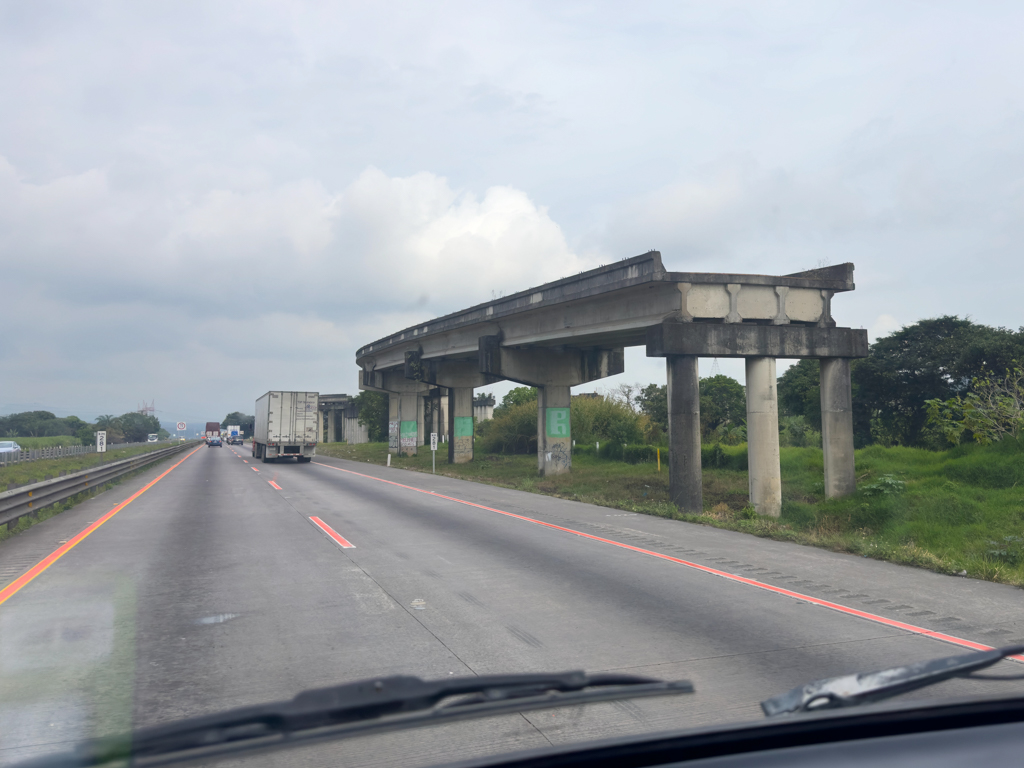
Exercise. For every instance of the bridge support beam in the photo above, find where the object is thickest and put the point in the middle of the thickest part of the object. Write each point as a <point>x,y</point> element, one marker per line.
<point>837,427</point>
<point>460,425</point>
<point>553,371</point>
<point>330,436</point>
<point>554,434</point>
<point>684,471</point>
<point>764,473</point>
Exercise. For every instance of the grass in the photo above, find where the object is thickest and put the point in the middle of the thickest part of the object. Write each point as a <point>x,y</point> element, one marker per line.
<point>43,468</point>
<point>44,442</point>
<point>958,511</point>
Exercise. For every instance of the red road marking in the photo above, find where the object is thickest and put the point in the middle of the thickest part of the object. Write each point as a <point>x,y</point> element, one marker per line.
<point>254,469</point>
<point>341,540</point>
<point>714,571</point>
<point>15,586</point>
<point>275,485</point>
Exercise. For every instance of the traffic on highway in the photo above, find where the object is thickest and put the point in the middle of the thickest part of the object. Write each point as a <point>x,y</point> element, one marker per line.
<point>383,600</point>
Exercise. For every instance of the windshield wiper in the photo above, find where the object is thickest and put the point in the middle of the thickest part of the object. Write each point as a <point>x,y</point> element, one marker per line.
<point>374,705</point>
<point>852,690</point>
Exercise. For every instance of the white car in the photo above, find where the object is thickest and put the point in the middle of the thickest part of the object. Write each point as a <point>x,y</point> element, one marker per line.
<point>9,446</point>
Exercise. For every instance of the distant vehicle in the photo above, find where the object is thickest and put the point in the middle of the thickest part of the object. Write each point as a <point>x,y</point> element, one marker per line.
<point>152,438</point>
<point>9,446</point>
<point>212,429</point>
<point>287,424</point>
<point>214,441</point>
<point>233,435</point>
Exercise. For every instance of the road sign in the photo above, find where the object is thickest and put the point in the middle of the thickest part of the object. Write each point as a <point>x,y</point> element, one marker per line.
<point>433,452</point>
<point>101,442</point>
<point>181,426</point>
<point>433,441</point>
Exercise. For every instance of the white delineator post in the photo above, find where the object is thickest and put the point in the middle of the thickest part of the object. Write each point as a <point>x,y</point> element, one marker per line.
<point>764,472</point>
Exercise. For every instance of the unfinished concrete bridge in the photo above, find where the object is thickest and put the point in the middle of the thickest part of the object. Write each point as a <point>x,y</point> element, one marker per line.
<point>573,331</point>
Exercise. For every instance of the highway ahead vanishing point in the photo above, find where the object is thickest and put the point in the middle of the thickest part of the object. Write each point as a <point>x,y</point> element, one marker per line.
<point>225,583</point>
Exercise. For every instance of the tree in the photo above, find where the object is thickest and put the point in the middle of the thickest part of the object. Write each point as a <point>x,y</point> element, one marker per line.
<point>800,393</point>
<point>723,403</point>
<point>243,421</point>
<point>516,396</point>
<point>373,414</point>
<point>652,401</point>
<point>934,359</point>
<point>135,427</point>
<point>992,411</point>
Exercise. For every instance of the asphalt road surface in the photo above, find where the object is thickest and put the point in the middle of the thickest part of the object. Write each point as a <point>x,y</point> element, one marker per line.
<point>213,587</point>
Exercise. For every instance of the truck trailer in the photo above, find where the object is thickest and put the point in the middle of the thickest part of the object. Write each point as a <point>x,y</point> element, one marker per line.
<point>287,424</point>
<point>212,429</point>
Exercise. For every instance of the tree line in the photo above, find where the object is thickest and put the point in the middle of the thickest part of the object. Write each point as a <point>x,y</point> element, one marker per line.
<point>928,385</point>
<point>127,428</point>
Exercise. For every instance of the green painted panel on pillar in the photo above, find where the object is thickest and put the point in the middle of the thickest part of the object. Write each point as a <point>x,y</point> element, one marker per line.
<point>558,422</point>
<point>463,426</point>
<point>408,429</point>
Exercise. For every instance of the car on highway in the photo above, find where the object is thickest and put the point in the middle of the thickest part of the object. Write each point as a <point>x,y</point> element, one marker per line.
<point>214,441</point>
<point>9,446</point>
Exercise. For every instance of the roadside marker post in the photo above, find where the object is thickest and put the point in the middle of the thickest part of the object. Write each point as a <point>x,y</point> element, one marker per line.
<point>659,459</point>
<point>101,443</point>
<point>433,453</point>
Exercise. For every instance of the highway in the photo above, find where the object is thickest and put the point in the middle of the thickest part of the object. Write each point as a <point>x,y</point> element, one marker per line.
<point>214,587</point>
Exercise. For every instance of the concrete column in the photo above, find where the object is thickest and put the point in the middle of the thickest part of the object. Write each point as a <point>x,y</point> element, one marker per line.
<point>554,434</point>
<point>330,426</point>
<point>410,412</point>
<point>421,419</point>
<point>394,422</point>
<point>837,426</point>
<point>460,425</point>
<point>763,471</point>
<point>684,473</point>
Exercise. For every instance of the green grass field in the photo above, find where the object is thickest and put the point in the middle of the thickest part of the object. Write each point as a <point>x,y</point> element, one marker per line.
<point>952,511</point>
<point>44,442</point>
<point>39,470</point>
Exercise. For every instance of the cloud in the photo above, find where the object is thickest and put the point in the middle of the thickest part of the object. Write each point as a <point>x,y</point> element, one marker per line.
<point>288,278</point>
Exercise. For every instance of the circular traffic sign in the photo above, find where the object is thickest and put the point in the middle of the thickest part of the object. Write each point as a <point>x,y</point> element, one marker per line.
<point>181,426</point>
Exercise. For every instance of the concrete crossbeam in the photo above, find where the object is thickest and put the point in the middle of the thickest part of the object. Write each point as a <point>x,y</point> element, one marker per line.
<point>744,340</point>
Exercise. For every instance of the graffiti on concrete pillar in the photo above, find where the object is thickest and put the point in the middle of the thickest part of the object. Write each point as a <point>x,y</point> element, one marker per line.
<point>393,435</point>
<point>559,455</point>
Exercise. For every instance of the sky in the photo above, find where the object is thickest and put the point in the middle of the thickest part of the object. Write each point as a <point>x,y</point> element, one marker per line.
<point>202,201</point>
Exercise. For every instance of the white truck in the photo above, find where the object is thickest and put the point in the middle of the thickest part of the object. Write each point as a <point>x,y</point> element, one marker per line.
<point>232,435</point>
<point>287,424</point>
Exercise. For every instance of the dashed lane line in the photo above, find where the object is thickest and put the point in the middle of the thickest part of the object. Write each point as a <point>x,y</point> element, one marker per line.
<point>844,609</point>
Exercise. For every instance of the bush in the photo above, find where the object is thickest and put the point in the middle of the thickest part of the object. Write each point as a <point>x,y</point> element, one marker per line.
<point>599,419</point>
<point>514,430</point>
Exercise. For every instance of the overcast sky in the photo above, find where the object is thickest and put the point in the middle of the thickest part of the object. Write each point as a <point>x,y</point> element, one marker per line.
<point>201,201</point>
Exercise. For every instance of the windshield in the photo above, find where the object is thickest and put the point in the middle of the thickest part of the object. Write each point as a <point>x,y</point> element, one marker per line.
<point>346,342</point>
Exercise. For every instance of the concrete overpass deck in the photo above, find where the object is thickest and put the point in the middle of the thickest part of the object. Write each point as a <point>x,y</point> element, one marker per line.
<point>572,331</point>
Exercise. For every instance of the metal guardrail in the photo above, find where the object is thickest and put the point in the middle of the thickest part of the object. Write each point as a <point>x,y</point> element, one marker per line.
<point>30,499</point>
<point>57,452</point>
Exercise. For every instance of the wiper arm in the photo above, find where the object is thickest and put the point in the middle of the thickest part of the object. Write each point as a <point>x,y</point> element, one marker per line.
<point>852,690</point>
<point>373,705</point>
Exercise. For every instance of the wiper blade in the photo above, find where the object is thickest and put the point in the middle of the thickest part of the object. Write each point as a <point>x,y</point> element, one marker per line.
<point>863,688</point>
<point>373,705</point>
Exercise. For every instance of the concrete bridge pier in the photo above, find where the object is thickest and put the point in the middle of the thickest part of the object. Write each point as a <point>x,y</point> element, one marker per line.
<point>459,377</point>
<point>684,471</point>
<point>837,427</point>
<point>460,425</point>
<point>553,370</point>
<point>554,433</point>
<point>764,472</point>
